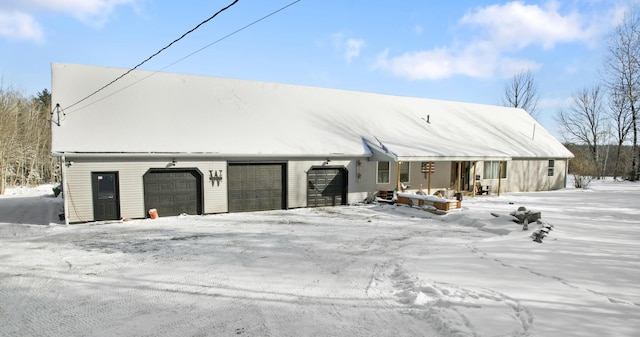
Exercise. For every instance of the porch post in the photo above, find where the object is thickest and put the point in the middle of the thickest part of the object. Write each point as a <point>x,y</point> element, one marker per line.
<point>429,166</point>
<point>459,176</point>
<point>398,187</point>
<point>475,187</point>
<point>499,177</point>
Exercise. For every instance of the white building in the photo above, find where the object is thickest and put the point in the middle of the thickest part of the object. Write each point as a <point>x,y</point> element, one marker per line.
<point>198,145</point>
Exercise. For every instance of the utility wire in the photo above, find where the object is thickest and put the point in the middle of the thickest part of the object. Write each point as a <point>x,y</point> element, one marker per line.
<point>156,53</point>
<point>232,33</point>
<point>179,60</point>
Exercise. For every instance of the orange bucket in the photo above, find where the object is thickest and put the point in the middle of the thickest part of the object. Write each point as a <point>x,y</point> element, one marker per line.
<point>153,213</point>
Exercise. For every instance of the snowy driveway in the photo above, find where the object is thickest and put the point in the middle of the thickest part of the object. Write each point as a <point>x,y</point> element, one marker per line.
<point>40,208</point>
<point>374,270</point>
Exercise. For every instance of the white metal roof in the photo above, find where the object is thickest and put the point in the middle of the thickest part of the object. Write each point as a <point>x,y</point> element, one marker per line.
<point>147,112</point>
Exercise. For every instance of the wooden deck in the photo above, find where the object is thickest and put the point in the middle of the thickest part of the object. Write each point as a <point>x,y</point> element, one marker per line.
<point>429,200</point>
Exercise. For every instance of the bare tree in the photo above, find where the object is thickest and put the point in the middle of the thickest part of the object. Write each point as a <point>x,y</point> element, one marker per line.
<point>620,114</point>
<point>9,134</point>
<point>522,92</point>
<point>582,167</point>
<point>583,121</point>
<point>622,72</point>
<point>25,139</point>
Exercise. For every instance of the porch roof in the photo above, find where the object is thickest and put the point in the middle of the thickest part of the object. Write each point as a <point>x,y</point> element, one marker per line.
<point>383,153</point>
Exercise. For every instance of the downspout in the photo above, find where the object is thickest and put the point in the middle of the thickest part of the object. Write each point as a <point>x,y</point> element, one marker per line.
<point>65,190</point>
<point>566,172</point>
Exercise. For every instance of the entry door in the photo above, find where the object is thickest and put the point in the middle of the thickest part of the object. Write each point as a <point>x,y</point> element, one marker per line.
<point>465,171</point>
<point>106,201</point>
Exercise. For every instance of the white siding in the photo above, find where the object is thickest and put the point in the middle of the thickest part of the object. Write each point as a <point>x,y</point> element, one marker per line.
<point>297,180</point>
<point>215,197</point>
<point>440,179</point>
<point>528,176</point>
<point>362,176</point>
<point>531,175</point>
<point>78,190</point>
<point>522,175</point>
<point>363,179</point>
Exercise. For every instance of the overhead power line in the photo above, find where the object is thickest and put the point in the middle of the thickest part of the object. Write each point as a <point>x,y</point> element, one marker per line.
<point>177,61</point>
<point>155,54</point>
<point>233,33</point>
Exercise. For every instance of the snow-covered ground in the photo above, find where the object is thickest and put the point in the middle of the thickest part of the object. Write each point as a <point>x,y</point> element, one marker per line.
<point>370,270</point>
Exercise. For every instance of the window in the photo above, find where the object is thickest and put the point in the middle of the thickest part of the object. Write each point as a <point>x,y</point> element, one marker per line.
<point>383,172</point>
<point>106,187</point>
<point>404,172</point>
<point>550,169</point>
<point>492,169</point>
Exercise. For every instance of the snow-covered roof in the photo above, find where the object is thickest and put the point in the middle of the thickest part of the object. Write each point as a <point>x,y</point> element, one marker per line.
<point>156,112</point>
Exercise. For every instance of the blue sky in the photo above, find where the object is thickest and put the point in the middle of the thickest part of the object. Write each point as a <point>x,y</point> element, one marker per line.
<point>452,50</point>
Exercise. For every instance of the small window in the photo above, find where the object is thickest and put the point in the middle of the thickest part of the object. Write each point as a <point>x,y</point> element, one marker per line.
<point>404,172</point>
<point>550,169</point>
<point>383,172</point>
<point>106,187</point>
<point>492,169</point>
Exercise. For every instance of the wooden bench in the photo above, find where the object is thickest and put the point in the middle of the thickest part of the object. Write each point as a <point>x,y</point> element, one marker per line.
<point>386,196</point>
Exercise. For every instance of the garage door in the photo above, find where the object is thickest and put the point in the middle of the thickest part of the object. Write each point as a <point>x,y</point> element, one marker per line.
<point>327,187</point>
<point>173,192</point>
<point>256,187</point>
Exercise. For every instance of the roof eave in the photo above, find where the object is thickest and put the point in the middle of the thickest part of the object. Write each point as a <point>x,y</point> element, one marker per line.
<point>207,155</point>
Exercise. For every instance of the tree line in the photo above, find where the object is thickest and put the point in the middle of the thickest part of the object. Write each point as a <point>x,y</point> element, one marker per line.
<point>600,123</point>
<point>25,140</point>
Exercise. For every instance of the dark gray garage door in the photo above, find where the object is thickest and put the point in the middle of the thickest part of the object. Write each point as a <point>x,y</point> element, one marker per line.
<point>256,187</point>
<point>173,192</point>
<point>327,187</point>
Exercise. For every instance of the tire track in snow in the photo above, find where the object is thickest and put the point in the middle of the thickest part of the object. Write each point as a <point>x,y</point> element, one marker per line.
<point>610,299</point>
<point>36,306</point>
<point>450,309</point>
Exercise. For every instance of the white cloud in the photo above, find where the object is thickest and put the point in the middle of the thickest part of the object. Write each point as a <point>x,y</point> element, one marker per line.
<point>95,12</point>
<point>432,64</point>
<point>516,25</point>
<point>349,48</point>
<point>495,35</point>
<point>353,48</point>
<point>477,60</point>
<point>20,26</point>
<point>18,18</point>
